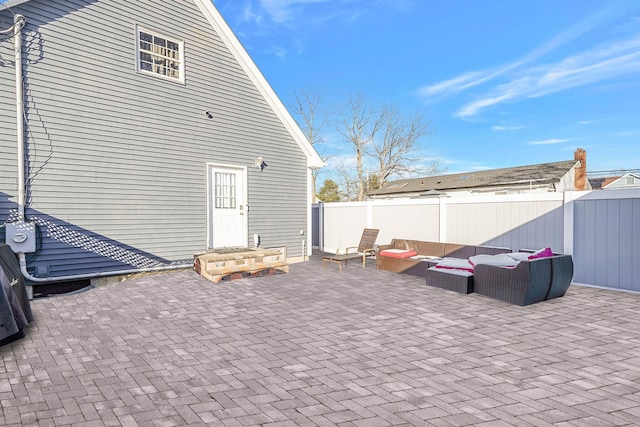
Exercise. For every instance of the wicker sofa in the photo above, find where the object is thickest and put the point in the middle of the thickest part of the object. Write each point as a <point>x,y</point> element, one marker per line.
<point>418,267</point>
<point>529,282</point>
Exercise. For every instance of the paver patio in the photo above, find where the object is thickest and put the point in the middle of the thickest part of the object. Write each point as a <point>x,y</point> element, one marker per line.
<point>319,347</point>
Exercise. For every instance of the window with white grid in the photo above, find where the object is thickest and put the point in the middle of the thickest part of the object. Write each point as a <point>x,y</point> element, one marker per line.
<point>159,55</point>
<point>225,190</point>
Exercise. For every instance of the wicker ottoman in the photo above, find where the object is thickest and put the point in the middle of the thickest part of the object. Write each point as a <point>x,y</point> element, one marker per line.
<point>460,281</point>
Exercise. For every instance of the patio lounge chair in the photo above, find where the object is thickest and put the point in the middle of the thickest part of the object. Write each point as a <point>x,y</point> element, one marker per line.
<point>364,249</point>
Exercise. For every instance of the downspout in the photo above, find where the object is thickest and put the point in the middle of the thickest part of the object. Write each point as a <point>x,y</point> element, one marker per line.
<point>19,21</point>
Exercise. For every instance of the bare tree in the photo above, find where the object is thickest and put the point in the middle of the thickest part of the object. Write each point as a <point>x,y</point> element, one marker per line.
<point>359,123</point>
<point>396,150</point>
<point>307,107</point>
<point>348,182</point>
<point>386,143</point>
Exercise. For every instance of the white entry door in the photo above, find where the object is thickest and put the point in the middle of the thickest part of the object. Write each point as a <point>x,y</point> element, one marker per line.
<point>227,207</point>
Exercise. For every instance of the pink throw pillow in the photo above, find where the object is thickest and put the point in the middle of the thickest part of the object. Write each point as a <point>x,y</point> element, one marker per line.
<point>542,253</point>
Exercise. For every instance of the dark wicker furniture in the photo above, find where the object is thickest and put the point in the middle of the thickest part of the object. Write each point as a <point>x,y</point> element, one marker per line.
<point>529,282</point>
<point>453,280</point>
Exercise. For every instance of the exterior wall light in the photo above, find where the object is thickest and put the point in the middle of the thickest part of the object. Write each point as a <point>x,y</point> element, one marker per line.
<point>260,164</point>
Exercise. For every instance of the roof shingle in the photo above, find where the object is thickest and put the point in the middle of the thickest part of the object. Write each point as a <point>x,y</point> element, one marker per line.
<point>544,173</point>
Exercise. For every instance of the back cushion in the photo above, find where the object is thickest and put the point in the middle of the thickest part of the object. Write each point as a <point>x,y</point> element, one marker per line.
<point>400,244</point>
<point>431,249</point>
<point>459,251</point>
<point>491,250</point>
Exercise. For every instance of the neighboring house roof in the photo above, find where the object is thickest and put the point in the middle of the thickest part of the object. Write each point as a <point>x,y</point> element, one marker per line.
<point>545,173</point>
<point>224,31</point>
<point>602,182</point>
<point>627,180</point>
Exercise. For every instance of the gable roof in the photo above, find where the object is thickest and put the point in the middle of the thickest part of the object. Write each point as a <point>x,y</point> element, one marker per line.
<point>620,181</point>
<point>601,182</point>
<point>544,173</point>
<point>233,44</point>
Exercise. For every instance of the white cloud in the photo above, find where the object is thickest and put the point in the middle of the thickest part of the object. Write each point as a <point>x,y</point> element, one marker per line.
<point>627,133</point>
<point>293,11</point>
<point>502,94</point>
<point>505,128</point>
<point>520,80</point>
<point>455,84</point>
<point>459,166</point>
<point>548,141</point>
<point>249,15</point>
<point>601,63</point>
<point>347,161</point>
<point>282,10</point>
<point>278,51</point>
<point>268,19</point>
<point>475,78</point>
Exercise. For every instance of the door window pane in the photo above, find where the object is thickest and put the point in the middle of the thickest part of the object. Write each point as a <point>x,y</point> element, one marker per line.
<point>225,190</point>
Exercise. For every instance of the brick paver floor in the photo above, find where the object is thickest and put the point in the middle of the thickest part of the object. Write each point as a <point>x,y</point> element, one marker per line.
<point>316,348</point>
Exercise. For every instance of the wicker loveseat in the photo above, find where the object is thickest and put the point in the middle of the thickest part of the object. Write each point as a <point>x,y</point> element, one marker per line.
<point>529,282</point>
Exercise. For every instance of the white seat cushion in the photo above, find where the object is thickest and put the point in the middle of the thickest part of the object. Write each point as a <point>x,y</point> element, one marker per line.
<point>455,264</point>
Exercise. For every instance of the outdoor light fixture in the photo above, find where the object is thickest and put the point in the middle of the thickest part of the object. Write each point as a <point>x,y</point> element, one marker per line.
<point>260,164</point>
<point>208,114</point>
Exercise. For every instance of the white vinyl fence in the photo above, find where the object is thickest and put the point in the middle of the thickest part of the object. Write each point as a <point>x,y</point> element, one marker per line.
<point>601,229</point>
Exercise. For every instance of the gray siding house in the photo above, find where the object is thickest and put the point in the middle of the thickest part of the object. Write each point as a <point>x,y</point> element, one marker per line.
<point>134,136</point>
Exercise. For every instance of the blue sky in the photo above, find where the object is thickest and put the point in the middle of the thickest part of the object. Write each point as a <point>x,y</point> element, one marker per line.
<point>503,83</point>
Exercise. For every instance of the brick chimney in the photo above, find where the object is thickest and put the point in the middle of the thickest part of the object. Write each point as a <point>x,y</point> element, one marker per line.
<point>580,171</point>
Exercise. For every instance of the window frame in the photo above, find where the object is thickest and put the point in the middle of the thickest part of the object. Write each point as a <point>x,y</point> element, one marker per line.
<point>179,42</point>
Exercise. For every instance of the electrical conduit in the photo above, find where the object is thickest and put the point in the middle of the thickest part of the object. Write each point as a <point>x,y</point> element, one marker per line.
<point>19,22</point>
